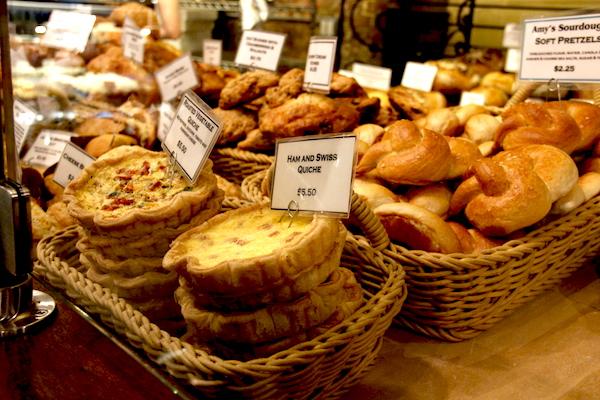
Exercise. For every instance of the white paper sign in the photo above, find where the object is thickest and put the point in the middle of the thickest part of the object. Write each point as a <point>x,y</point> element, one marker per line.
<point>47,148</point>
<point>419,76</point>
<point>72,161</point>
<point>192,135</point>
<point>165,119</point>
<point>562,48</point>
<point>212,51</point>
<point>319,63</point>
<point>512,36</point>
<point>68,30</point>
<point>316,172</point>
<point>260,50</point>
<point>372,77</point>
<point>24,118</point>
<point>176,77</point>
<point>133,43</point>
<point>513,60</point>
<point>472,98</point>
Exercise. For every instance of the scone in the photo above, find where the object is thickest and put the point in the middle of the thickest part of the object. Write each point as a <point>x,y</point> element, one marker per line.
<point>128,192</point>
<point>249,248</point>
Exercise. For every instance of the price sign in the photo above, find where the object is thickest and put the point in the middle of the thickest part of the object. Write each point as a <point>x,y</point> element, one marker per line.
<point>562,48</point>
<point>192,135</point>
<point>72,161</point>
<point>133,41</point>
<point>319,63</point>
<point>419,76</point>
<point>68,30</point>
<point>165,119</point>
<point>24,118</point>
<point>472,98</point>
<point>372,77</point>
<point>176,77</point>
<point>47,148</point>
<point>260,50</point>
<point>212,51</point>
<point>316,172</point>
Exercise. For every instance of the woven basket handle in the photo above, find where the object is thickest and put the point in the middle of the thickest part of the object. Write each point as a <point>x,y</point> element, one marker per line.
<point>361,215</point>
<point>597,97</point>
<point>523,92</point>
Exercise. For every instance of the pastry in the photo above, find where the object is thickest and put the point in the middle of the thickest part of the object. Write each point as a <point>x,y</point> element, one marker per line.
<point>149,285</point>
<point>235,124</point>
<point>413,104</point>
<point>246,87</point>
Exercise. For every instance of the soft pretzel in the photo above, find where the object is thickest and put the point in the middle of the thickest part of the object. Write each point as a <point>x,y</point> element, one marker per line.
<point>480,128</point>
<point>417,227</point>
<point>373,193</point>
<point>512,195</point>
<point>528,123</point>
<point>588,186</point>
<point>450,121</point>
<point>464,154</point>
<point>472,240</point>
<point>434,197</point>
<point>587,118</point>
<point>408,155</point>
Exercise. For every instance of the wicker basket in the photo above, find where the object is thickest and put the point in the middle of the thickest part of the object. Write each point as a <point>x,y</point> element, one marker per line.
<point>235,165</point>
<point>457,296</point>
<point>324,367</point>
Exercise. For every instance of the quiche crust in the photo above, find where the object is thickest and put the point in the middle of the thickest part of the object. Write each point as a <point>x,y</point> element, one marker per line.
<point>291,286</point>
<point>128,191</point>
<point>149,285</point>
<point>272,321</point>
<point>249,248</point>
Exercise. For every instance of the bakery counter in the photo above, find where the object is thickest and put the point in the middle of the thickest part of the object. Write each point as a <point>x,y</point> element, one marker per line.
<point>548,349</point>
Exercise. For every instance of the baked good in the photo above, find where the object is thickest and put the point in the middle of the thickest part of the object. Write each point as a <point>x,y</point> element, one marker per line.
<point>128,192</point>
<point>588,186</point>
<point>211,81</point>
<point>103,143</point>
<point>472,240</point>
<point>158,54</point>
<point>345,86</point>
<point>141,15</point>
<point>289,87</point>
<point>501,80</point>
<point>58,211</point>
<point>434,197</point>
<point>464,153</point>
<point>417,227</point>
<point>493,96</point>
<point>151,284</point>
<point>453,76</point>
<point>407,155</point>
<point>249,248</point>
<point>255,140</point>
<point>273,321</point>
<point>480,128</point>
<point>235,124</point>
<point>246,87</point>
<point>587,118</point>
<point>528,123</point>
<point>413,104</point>
<point>373,193</point>
<point>309,113</point>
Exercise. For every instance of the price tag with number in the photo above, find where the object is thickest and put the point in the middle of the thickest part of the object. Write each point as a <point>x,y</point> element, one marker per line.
<point>47,148</point>
<point>562,48</point>
<point>419,76</point>
<point>260,50</point>
<point>72,161</point>
<point>68,30</point>
<point>315,172</point>
<point>24,118</point>
<point>176,77</point>
<point>372,77</point>
<point>319,63</point>
<point>212,51</point>
<point>192,135</point>
<point>133,40</point>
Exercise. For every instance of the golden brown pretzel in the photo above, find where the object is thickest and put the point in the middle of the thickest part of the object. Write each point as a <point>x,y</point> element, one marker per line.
<point>587,118</point>
<point>528,123</point>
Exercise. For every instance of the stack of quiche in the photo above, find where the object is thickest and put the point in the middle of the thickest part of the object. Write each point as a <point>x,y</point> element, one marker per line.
<point>253,282</point>
<point>130,204</point>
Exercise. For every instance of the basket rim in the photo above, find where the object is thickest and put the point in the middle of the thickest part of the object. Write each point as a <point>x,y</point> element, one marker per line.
<point>391,294</point>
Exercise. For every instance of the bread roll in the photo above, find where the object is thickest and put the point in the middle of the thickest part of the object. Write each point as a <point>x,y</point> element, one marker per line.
<point>435,198</point>
<point>481,128</point>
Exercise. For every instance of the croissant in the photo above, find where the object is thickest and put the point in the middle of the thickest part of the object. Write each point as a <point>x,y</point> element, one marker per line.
<point>528,123</point>
<point>512,195</point>
<point>587,118</point>
<point>408,155</point>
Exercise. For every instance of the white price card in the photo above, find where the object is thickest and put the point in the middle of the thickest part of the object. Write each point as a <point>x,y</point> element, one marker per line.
<point>47,148</point>
<point>165,119</point>
<point>315,172</point>
<point>472,98</point>
<point>562,48</point>
<point>192,135</point>
<point>513,60</point>
<point>372,77</point>
<point>418,76</point>
<point>68,30</point>
<point>513,35</point>
<point>212,51</point>
<point>319,63</point>
<point>133,40</point>
<point>259,49</point>
<point>72,161</point>
<point>176,77</point>
<point>24,118</point>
